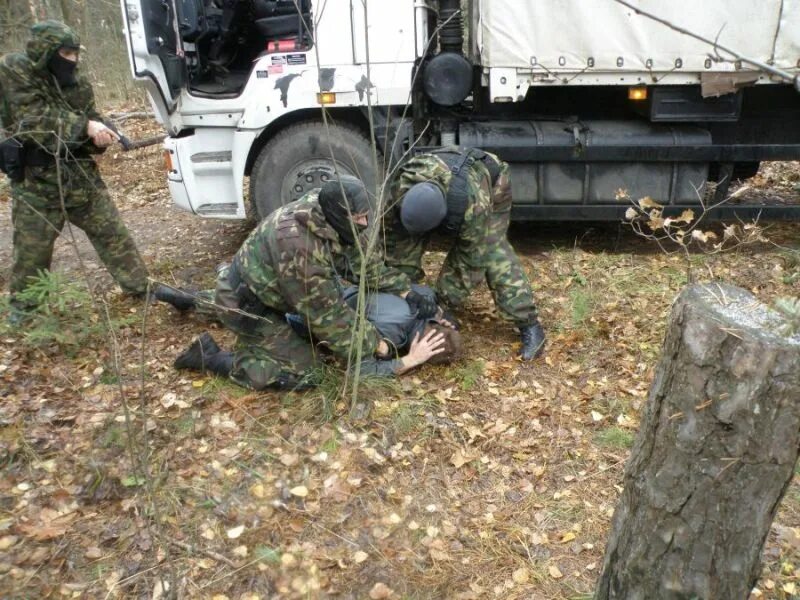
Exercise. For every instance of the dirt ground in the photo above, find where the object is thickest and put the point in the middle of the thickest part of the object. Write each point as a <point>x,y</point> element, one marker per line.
<point>486,479</point>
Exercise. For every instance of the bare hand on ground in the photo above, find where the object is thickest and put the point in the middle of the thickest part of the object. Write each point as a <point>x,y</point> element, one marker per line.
<point>424,348</point>
<point>383,349</point>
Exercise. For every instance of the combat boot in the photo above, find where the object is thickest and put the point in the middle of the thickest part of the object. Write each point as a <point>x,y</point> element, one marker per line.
<point>205,355</point>
<point>532,341</point>
<point>180,299</point>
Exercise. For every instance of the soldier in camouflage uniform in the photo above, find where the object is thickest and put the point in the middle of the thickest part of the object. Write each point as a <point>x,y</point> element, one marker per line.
<point>295,261</point>
<point>48,105</point>
<point>466,195</point>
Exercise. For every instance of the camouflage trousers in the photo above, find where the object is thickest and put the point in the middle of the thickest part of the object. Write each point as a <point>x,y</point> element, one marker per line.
<point>503,271</point>
<point>37,224</point>
<point>267,348</point>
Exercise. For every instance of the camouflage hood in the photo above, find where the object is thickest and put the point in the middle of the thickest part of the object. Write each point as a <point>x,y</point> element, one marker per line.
<point>46,38</point>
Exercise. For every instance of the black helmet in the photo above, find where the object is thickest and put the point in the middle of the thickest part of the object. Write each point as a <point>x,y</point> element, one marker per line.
<point>339,199</point>
<point>423,208</point>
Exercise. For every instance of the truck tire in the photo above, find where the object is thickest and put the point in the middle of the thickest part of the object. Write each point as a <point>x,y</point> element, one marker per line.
<point>298,160</point>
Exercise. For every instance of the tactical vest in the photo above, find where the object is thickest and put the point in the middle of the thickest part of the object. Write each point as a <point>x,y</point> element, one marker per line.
<point>460,162</point>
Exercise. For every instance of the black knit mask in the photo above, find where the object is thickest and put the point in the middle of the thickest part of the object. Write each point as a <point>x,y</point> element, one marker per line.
<point>63,70</point>
<point>338,206</point>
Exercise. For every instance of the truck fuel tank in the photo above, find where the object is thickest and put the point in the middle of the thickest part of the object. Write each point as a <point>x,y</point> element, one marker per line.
<point>587,162</point>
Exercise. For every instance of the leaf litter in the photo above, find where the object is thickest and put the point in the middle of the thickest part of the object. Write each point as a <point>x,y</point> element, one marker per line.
<point>489,479</point>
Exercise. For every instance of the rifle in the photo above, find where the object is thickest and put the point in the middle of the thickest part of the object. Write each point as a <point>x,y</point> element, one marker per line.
<point>128,144</point>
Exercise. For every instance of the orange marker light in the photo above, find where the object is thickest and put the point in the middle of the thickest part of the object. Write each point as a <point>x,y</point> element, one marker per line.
<point>326,98</point>
<point>637,93</point>
<point>168,161</point>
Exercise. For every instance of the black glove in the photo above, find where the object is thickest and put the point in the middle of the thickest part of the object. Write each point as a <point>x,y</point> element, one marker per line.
<point>424,305</point>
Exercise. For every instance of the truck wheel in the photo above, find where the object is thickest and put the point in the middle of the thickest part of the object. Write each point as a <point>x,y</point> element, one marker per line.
<point>298,160</point>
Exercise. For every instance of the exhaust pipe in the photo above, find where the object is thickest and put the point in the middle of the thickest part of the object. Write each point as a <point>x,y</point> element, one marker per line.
<point>451,32</point>
<point>447,80</point>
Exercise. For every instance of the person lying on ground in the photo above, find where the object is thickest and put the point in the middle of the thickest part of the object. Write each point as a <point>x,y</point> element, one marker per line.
<point>295,262</point>
<point>400,326</point>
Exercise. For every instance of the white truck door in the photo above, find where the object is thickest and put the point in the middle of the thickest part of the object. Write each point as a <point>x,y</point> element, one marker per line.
<point>155,53</point>
<point>390,30</point>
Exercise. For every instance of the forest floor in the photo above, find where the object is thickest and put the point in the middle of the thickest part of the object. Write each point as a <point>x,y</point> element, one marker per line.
<point>490,478</point>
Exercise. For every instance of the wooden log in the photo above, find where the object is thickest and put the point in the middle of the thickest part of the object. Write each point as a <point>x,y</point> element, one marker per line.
<point>715,453</point>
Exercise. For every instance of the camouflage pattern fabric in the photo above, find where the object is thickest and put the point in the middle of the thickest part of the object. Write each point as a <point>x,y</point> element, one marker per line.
<point>265,351</point>
<point>272,348</point>
<point>52,121</point>
<point>481,248</point>
<point>294,262</point>
<point>36,230</point>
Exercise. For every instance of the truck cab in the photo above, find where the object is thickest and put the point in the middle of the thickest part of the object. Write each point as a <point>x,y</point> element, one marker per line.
<point>275,96</point>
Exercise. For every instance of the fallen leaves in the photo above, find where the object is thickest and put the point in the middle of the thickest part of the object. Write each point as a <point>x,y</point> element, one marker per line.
<point>171,399</point>
<point>521,576</point>
<point>300,491</point>
<point>50,524</point>
<point>7,541</point>
<point>493,459</point>
<point>461,458</point>
<point>380,591</point>
<point>554,572</point>
<point>235,532</point>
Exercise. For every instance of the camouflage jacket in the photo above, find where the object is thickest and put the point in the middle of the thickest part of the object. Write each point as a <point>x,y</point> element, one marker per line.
<point>294,262</point>
<point>34,108</point>
<point>405,251</point>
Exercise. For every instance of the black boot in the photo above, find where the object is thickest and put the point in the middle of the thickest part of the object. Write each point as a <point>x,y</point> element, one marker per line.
<point>205,355</point>
<point>180,299</point>
<point>532,341</point>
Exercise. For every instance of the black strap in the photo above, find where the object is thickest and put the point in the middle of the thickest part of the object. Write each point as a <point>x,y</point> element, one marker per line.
<point>12,159</point>
<point>460,162</point>
<point>38,157</point>
<point>458,193</point>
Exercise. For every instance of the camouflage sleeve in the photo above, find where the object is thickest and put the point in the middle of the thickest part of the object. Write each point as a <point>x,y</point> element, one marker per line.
<point>81,98</point>
<point>381,277</point>
<point>41,121</point>
<point>308,283</point>
<point>471,242</point>
<point>404,252</point>
<point>501,191</point>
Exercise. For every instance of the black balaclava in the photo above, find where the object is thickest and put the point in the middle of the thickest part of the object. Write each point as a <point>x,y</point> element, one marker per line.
<point>62,69</point>
<point>338,206</point>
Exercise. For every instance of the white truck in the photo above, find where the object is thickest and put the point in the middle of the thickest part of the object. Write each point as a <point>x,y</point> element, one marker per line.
<point>582,97</point>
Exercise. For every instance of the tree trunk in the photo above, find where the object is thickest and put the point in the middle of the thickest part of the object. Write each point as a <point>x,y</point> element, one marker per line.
<point>67,12</point>
<point>34,8</point>
<point>714,455</point>
<point>39,9</point>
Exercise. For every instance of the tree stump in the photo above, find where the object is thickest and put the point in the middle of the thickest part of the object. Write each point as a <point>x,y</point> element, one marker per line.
<point>714,455</point>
